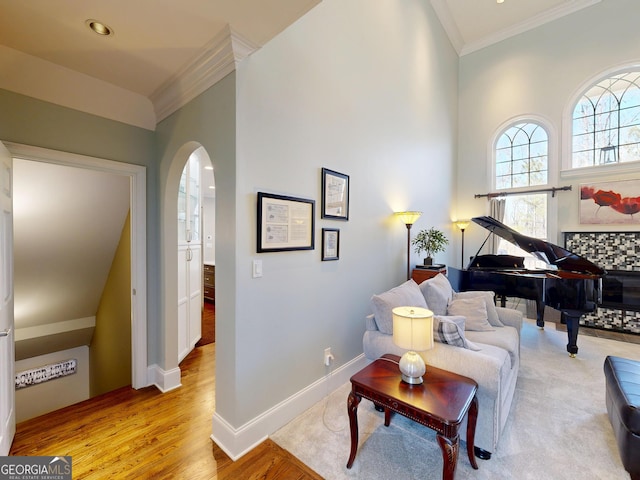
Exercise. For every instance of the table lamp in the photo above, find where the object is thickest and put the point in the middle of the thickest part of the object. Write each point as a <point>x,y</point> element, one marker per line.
<point>413,330</point>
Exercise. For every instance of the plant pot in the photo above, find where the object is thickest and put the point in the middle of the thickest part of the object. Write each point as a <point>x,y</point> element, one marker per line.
<point>428,261</point>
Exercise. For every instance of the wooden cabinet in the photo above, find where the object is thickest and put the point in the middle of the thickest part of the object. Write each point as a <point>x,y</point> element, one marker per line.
<point>209,282</point>
<point>419,275</point>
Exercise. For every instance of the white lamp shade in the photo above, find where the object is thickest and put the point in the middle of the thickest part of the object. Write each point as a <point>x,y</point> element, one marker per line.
<point>409,218</point>
<point>413,328</point>
<point>462,224</point>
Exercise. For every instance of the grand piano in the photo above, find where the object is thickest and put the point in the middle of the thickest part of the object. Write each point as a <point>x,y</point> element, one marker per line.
<point>571,284</point>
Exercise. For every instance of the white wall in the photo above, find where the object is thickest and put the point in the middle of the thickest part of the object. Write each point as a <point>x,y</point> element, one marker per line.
<point>539,72</point>
<point>367,89</point>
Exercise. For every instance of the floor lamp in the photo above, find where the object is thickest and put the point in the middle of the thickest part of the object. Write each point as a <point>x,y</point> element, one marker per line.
<point>462,224</point>
<point>408,218</point>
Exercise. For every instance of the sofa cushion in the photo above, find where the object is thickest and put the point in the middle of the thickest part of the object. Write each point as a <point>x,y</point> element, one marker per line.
<point>489,297</point>
<point>505,337</point>
<point>437,293</point>
<point>450,330</point>
<point>474,309</point>
<point>405,295</point>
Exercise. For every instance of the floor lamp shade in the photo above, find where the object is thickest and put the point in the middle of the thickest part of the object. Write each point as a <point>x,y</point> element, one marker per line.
<point>408,218</point>
<point>412,330</point>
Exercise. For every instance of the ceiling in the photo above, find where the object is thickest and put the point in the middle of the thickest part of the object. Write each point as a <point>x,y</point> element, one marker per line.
<point>475,24</point>
<point>164,53</point>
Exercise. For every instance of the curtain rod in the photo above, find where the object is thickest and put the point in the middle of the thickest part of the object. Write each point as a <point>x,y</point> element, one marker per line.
<point>553,191</point>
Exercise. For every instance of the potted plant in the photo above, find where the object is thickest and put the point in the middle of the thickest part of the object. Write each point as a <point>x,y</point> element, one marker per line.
<point>431,241</point>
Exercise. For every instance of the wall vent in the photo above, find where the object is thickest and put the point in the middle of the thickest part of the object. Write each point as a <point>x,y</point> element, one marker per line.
<point>45,373</point>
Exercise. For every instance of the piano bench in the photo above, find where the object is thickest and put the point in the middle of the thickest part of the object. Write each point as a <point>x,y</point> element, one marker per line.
<point>623,407</point>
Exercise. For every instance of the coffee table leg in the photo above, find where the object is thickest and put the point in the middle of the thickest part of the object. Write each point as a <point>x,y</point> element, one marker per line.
<point>471,431</point>
<point>352,409</point>
<point>449,447</point>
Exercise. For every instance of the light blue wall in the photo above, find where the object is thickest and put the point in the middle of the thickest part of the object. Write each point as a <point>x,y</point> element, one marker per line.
<point>365,88</point>
<point>539,72</point>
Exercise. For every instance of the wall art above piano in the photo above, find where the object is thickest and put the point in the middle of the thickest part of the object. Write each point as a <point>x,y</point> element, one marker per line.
<point>610,203</point>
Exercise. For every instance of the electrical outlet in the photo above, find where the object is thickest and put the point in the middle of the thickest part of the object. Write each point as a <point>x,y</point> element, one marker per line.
<point>328,356</point>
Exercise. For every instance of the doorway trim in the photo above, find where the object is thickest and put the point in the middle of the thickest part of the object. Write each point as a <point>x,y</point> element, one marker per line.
<point>138,203</point>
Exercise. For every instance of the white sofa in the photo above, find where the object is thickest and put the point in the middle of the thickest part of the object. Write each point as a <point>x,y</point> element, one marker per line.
<point>487,351</point>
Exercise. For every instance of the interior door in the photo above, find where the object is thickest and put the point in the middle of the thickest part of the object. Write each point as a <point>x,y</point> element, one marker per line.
<point>7,357</point>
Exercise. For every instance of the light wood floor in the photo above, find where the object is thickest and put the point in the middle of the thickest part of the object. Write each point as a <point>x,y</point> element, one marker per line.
<point>145,434</point>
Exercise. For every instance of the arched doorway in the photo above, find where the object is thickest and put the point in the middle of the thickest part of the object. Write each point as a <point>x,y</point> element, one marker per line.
<point>169,245</point>
<point>194,213</point>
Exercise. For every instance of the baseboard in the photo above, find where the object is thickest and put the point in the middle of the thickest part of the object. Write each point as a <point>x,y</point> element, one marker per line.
<point>235,442</point>
<point>164,380</point>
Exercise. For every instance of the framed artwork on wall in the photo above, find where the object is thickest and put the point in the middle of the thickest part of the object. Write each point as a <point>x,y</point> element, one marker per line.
<point>335,195</point>
<point>330,244</point>
<point>285,223</point>
<point>610,203</point>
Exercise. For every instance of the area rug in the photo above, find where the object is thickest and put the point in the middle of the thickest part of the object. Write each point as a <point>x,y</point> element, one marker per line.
<point>557,428</point>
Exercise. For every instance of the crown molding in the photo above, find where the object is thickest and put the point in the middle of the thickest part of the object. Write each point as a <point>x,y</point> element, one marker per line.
<point>218,60</point>
<point>242,47</point>
<point>534,22</point>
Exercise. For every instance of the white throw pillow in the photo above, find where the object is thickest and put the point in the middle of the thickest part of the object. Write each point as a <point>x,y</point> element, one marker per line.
<point>437,293</point>
<point>474,310</point>
<point>405,295</point>
<point>450,330</point>
<point>492,313</point>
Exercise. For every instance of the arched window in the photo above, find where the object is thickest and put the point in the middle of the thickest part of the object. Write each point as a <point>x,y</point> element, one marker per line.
<point>522,160</point>
<point>522,156</point>
<point>606,122</point>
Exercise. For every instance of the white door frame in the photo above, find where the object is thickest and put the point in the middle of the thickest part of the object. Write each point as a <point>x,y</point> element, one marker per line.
<point>7,354</point>
<point>138,202</point>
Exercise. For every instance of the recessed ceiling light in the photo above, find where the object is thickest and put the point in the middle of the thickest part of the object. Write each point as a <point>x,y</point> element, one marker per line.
<point>99,27</point>
<point>500,1</point>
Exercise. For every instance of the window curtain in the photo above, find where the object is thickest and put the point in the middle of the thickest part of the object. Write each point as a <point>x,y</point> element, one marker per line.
<point>496,210</point>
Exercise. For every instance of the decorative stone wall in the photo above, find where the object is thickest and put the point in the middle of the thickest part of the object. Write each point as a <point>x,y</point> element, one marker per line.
<point>611,251</point>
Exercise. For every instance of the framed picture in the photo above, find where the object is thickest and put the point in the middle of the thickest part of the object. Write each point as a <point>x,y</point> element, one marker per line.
<point>335,195</point>
<point>610,203</point>
<point>330,244</point>
<point>285,223</point>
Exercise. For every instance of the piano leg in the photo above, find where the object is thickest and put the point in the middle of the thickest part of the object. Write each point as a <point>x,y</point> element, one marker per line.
<point>573,323</point>
<point>539,312</point>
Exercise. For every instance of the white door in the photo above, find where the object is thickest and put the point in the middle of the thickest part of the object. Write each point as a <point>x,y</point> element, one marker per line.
<point>189,258</point>
<point>7,358</point>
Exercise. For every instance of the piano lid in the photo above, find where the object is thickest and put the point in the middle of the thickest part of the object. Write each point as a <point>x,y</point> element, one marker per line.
<point>545,251</point>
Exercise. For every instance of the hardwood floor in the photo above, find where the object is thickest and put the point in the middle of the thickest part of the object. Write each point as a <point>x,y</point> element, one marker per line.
<point>145,434</point>
<point>208,324</point>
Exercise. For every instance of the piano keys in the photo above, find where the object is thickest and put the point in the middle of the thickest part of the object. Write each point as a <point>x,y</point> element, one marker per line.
<point>571,284</point>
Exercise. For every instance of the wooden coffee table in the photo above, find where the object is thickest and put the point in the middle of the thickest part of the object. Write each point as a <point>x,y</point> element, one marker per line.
<point>440,403</point>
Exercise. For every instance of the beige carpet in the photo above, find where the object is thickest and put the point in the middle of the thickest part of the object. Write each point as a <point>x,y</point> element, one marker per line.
<point>557,429</point>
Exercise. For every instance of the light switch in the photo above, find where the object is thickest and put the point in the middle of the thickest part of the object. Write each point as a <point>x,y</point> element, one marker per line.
<point>257,268</point>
